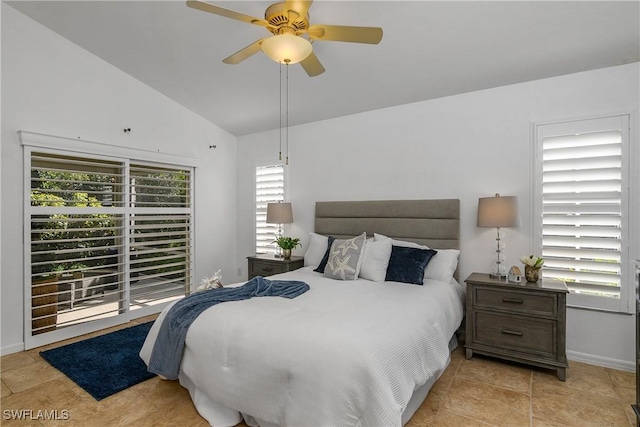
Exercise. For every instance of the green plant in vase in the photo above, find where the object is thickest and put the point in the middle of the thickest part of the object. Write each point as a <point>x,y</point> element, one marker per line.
<point>532,267</point>
<point>287,244</point>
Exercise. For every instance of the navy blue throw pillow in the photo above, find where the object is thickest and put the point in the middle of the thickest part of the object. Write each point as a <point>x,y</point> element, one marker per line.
<point>407,265</point>
<point>325,258</point>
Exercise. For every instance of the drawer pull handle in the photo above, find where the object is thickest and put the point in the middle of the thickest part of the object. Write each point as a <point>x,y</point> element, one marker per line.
<point>267,269</point>
<point>512,300</point>
<point>510,332</point>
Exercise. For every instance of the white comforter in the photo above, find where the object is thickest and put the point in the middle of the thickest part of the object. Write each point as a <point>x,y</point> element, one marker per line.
<point>342,354</point>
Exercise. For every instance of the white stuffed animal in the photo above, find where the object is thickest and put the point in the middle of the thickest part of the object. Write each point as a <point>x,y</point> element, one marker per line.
<point>211,282</point>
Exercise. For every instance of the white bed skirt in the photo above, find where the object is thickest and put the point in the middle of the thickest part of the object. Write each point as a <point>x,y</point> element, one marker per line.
<point>220,416</point>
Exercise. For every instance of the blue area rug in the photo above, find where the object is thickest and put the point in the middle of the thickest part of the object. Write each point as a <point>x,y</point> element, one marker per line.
<point>106,364</point>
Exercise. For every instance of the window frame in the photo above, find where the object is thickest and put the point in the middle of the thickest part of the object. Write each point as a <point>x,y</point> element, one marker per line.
<point>629,202</point>
<point>285,179</point>
<point>56,145</point>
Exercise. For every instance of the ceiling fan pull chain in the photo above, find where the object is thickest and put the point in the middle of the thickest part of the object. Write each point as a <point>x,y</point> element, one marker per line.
<point>287,115</point>
<point>280,117</point>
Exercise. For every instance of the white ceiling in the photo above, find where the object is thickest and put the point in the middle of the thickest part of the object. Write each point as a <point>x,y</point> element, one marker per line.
<point>429,49</point>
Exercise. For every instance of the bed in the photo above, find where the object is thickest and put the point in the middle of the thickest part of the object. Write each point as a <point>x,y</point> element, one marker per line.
<point>361,351</point>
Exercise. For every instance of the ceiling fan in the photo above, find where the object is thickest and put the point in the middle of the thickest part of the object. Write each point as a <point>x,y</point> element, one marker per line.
<point>292,34</point>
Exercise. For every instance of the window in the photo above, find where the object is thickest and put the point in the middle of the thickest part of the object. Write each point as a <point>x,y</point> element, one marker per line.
<point>269,189</point>
<point>107,236</point>
<point>582,202</point>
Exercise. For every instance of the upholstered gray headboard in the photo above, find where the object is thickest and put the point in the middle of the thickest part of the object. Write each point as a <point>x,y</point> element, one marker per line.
<point>434,223</point>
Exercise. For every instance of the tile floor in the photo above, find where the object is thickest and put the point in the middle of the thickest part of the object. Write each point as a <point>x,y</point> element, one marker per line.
<point>476,392</point>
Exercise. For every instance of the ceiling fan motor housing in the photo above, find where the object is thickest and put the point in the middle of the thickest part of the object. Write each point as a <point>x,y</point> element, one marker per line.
<point>276,16</point>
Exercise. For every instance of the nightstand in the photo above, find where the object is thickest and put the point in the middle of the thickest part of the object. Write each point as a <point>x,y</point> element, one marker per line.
<point>523,322</point>
<point>267,265</point>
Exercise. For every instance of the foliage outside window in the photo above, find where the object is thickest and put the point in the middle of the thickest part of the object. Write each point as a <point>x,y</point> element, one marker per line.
<point>101,228</point>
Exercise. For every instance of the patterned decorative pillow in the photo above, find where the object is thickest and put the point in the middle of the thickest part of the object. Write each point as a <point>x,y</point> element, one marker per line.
<point>344,258</point>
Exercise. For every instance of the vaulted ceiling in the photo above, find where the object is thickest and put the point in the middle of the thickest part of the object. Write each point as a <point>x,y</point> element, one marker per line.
<point>429,49</point>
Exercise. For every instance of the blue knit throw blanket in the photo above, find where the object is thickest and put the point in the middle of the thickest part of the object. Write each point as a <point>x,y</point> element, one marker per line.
<point>169,346</point>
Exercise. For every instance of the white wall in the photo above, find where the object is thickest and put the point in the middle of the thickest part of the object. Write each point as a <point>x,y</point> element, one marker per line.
<point>466,146</point>
<point>50,85</point>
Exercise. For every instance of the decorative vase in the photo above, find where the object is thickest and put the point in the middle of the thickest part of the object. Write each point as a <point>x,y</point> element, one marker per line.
<point>286,253</point>
<point>532,274</point>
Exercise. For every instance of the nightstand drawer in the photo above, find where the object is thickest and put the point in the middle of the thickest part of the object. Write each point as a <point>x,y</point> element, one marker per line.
<point>266,268</point>
<point>519,302</point>
<point>267,265</point>
<point>528,335</point>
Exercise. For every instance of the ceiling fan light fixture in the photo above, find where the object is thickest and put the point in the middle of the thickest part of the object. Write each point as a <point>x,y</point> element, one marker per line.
<point>286,48</point>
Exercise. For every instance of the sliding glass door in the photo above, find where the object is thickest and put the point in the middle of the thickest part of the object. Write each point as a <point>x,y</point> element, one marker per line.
<point>107,240</point>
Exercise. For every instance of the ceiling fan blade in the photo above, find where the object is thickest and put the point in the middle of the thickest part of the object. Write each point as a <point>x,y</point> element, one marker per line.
<point>301,7</point>
<point>312,65</point>
<point>244,53</point>
<point>216,10</point>
<point>341,33</point>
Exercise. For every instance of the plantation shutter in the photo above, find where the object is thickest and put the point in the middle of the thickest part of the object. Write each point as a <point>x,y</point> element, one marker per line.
<point>583,208</point>
<point>76,239</point>
<point>269,189</point>
<point>105,237</point>
<point>160,233</point>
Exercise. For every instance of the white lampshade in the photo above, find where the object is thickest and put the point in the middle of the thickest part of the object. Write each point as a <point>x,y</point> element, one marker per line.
<point>286,48</point>
<point>279,213</point>
<point>499,211</point>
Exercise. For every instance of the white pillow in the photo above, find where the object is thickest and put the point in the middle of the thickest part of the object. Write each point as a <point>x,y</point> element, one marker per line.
<point>441,267</point>
<point>375,260</point>
<point>316,250</point>
<point>381,238</point>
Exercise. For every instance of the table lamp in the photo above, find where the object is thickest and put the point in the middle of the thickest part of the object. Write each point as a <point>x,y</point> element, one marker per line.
<point>279,213</point>
<point>499,211</point>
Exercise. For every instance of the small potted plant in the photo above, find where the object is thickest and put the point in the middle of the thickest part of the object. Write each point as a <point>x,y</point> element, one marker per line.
<point>287,244</point>
<point>532,267</point>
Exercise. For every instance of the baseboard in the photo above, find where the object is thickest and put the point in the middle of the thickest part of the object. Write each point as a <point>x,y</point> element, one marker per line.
<point>13,348</point>
<point>605,362</point>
